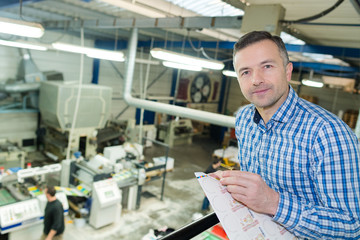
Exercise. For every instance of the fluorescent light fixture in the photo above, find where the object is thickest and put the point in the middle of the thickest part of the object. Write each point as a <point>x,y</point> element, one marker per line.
<point>21,44</point>
<point>312,83</point>
<point>289,39</point>
<point>229,73</point>
<point>90,52</point>
<point>186,59</point>
<point>182,66</point>
<point>21,28</point>
<point>106,55</point>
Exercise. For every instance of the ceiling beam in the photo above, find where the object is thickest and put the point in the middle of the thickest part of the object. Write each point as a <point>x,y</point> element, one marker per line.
<point>167,23</point>
<point>15,3</point>
<point>335,51</point>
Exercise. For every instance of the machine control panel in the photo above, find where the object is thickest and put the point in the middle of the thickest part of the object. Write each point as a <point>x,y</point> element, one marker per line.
<point>107,192</point>
<point>19,213</point>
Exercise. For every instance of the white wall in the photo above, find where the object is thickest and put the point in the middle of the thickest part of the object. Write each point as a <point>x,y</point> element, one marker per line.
<point>108,76</point>
<point>66,63</point>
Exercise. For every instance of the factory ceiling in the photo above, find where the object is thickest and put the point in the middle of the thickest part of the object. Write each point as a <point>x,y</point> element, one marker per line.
<point>325,26</point>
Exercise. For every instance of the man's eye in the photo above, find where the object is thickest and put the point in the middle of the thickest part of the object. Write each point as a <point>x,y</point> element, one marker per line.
<point>267,66</point>
<point>244,73</point>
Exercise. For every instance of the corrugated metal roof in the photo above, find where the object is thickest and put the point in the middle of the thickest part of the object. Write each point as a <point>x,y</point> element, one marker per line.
<point>209,7</point>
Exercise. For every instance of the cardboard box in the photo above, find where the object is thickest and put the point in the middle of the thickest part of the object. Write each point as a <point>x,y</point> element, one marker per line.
<point>161,161</point>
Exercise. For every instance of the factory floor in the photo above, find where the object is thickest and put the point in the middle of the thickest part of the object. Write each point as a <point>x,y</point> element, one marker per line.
<point>182,198</point>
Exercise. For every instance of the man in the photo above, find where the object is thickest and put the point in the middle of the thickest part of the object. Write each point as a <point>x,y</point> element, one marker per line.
<point>54,216</point>
<point>299,163</point>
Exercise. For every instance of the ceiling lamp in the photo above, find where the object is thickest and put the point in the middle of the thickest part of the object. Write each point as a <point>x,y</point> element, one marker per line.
<point>186,59</point>
<point>182,66</point>
<point>23,44</point>
<point>90,52</point>
<point>312,83</point>
<point>21,28</point>
<point>229,73</point>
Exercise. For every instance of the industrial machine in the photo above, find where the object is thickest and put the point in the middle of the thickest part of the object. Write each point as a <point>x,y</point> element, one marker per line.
<point>117,163</point>
<point>11,155</point>
<point>67,108</point>
<point>22,202</point>
<point>176,132</point>
<point>22,93</point>
<point>106,199</point>
<point>135,132</point>
<point>119,131</point>
<point>23,214</point>
<point>200,88</point>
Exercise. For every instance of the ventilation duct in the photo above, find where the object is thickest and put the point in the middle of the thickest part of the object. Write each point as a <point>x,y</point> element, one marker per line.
<point>213,118</point>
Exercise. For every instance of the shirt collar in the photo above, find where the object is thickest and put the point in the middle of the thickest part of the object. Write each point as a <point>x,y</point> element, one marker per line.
<point>285,112</point>
<point>257,116</point>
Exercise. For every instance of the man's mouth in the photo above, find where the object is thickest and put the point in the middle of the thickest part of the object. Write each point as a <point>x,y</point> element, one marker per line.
<point>260,91</point>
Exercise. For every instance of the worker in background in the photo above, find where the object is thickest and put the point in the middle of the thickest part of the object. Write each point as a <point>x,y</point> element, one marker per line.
<point>212,168</point>
<point>299,163</point>
<point>54,225</point>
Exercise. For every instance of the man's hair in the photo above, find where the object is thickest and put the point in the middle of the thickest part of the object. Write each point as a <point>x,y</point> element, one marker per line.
<point>257,36</point>
<point>216,161</point>
<point>51,190</point>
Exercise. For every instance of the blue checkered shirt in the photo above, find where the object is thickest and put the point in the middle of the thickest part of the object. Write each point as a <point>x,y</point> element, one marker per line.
<point>311,158</point>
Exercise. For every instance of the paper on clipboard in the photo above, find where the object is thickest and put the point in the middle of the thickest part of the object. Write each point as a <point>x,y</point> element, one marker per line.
<point>238,221</point>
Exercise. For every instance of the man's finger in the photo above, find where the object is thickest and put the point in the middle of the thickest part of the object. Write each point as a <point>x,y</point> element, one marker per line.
<point>236,181</point>
<point>237,173</point>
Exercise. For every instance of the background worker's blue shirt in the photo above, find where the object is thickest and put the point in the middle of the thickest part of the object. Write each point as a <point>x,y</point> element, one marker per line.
<point>311,158</point>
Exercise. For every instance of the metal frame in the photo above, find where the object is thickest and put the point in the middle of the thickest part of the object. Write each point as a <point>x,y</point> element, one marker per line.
<point>193,229</point>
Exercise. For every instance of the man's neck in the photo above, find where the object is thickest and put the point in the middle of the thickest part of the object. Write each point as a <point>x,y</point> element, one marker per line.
<point>266,114</point>
<point>52,199</point>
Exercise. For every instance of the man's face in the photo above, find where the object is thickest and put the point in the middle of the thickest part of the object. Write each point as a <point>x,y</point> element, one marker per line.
<point>46,194</point>
<point>261,74</point>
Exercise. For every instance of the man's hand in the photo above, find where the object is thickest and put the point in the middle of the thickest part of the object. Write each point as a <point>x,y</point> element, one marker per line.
<point>251,190</point>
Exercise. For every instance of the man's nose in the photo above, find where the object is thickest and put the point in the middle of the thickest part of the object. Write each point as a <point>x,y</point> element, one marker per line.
<point>257,77</point>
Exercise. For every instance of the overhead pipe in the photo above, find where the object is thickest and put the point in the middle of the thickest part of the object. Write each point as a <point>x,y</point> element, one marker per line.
<point>213,118</point>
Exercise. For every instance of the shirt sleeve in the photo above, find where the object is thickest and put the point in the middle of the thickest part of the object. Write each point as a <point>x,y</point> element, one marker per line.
<point>335,158</point>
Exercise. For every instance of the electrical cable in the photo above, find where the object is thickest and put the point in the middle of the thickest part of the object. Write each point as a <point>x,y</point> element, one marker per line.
<point>314,17</point>
<point>20,9</point>
<point>77,97</point>
<point>201,49</point>
<point>20,12</point>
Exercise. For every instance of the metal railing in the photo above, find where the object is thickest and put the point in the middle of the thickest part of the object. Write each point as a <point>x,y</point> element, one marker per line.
<point>193,229</point>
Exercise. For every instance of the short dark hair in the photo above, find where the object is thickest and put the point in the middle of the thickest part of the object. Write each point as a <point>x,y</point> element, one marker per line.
<point>257,36</point>
<point>51,190</point>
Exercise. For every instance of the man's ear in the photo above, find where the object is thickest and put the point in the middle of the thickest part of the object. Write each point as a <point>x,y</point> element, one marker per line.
<point>289,69</point>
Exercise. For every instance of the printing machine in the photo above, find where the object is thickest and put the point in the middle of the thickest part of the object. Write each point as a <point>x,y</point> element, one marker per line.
<point>176,132</point>
<point>58,105</point>
<point>22,202</point>
<point>117,163</point>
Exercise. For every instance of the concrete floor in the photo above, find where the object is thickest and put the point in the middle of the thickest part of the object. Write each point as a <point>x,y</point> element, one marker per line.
<point>182,198</point>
